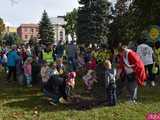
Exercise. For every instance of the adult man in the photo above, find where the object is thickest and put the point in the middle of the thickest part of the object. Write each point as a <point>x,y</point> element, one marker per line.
<point>72,55</point>
<point>11,62</point>
<point>47,54</point>
<point>146,54</point>
<point>60,50</point>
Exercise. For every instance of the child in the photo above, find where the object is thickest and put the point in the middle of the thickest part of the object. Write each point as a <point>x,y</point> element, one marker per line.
<point>4,60</point>
<point>70,82</point>
<point>60,66</point>
<point>90,77</point>
<point>110,80</point>
<point>36,68</point>
<point>44,73</point>
<point>28,71</point>
<point>19,70</point>
<point>53,70</point>
<point>87,56</point>
<point>53,84</point>
<point>80,61</point>
<point>1,67</point>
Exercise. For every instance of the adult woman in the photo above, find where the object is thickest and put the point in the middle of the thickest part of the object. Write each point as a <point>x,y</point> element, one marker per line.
<point>134,70</point>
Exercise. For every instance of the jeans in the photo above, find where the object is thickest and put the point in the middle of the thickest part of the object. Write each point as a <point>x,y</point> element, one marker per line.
<point>151,76</point>
<point>55,98</point>
<point>12,70</point>
<point>28,79</point>
<point>111,95</point>
<point>5,67</point>
<point>132,86</point>
<point>72,63</point>
<point>67,91</point>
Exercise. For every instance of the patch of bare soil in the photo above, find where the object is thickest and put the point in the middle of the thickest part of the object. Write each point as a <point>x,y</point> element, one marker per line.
<point>80,103</point>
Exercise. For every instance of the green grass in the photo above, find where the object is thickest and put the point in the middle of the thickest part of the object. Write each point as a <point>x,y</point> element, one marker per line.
<point>21,103</point>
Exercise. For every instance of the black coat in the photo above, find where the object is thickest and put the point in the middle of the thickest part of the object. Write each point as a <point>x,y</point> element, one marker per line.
<point>56,86</point>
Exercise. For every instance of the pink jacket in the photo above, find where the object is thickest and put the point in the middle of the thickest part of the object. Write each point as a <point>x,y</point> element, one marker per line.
<point>27,69</point>
<point>71,76</point>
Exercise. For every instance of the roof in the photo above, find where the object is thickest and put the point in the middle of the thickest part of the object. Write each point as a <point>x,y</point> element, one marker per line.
<point>57,20</point>
<point>29,25</point>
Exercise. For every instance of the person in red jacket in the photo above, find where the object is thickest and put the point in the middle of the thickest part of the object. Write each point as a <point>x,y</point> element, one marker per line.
<point>134,70</point>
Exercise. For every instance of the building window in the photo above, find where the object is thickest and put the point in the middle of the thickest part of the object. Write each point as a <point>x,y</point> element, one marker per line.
<point>32,30</point>
<point>61,34</point>
<point>31,37</point>
<point>25,29</point>
<point>61,38</point>
<point>26,36</point>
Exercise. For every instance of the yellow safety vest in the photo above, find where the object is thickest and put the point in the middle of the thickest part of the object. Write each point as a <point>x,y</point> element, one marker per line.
<point>157,54</point>
<point>47,56</point>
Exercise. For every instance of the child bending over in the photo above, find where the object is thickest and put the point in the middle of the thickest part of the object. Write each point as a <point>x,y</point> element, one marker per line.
<point>90,77</point>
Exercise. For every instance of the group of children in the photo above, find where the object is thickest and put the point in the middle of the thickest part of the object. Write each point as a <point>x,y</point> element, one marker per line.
<point>57,83</point>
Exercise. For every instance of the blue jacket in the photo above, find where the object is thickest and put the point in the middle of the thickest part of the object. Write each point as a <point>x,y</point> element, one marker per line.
<point>12,58</point>
<point>0,60</point>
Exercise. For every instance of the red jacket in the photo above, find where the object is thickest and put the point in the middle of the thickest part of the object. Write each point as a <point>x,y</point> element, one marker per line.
<point>139,69</point>
<point>91,65</point>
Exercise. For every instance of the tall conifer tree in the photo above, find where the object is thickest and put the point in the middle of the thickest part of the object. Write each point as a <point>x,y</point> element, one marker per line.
<point>92,21</point>
<point>46,31</point>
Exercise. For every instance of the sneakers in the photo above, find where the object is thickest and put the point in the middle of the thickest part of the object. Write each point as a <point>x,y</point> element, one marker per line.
<point>153,84</point>
<point>62,100</point>
<point>52,103</point>
<point>145,83</point>
<point>132,102</point>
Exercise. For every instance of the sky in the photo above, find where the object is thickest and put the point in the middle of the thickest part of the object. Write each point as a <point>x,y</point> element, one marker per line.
<point>30,11</point>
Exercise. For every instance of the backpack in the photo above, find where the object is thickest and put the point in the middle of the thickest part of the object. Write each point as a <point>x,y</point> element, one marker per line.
<point>110,76</point>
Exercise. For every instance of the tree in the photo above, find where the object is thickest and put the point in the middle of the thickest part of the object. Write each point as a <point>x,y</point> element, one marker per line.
<point>121,7</point>
<point>102,20</point>
<point>46,31</point>
<point>11,38</point>
<point>132,18</point>
<point>33,40</point>
<point>92,22</point>
<point>148,12</point>
<point>71,23</point>
<point>2,28</point>
<point>121,29</point>
<point>83,22</point>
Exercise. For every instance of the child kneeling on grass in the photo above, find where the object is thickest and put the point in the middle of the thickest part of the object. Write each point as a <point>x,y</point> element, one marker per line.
<point>110,80</point>
<point>56,87</point>
<point>47,71</point>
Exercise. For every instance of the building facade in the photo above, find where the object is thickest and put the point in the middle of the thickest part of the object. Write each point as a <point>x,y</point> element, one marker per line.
<point>28,32</point>
<point>59,31</point>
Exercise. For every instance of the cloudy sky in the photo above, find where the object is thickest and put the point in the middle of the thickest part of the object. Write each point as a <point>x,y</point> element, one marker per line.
<point>30,11</point>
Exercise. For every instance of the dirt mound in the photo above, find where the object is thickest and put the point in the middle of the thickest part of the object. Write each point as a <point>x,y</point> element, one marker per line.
<point>80,103</point>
